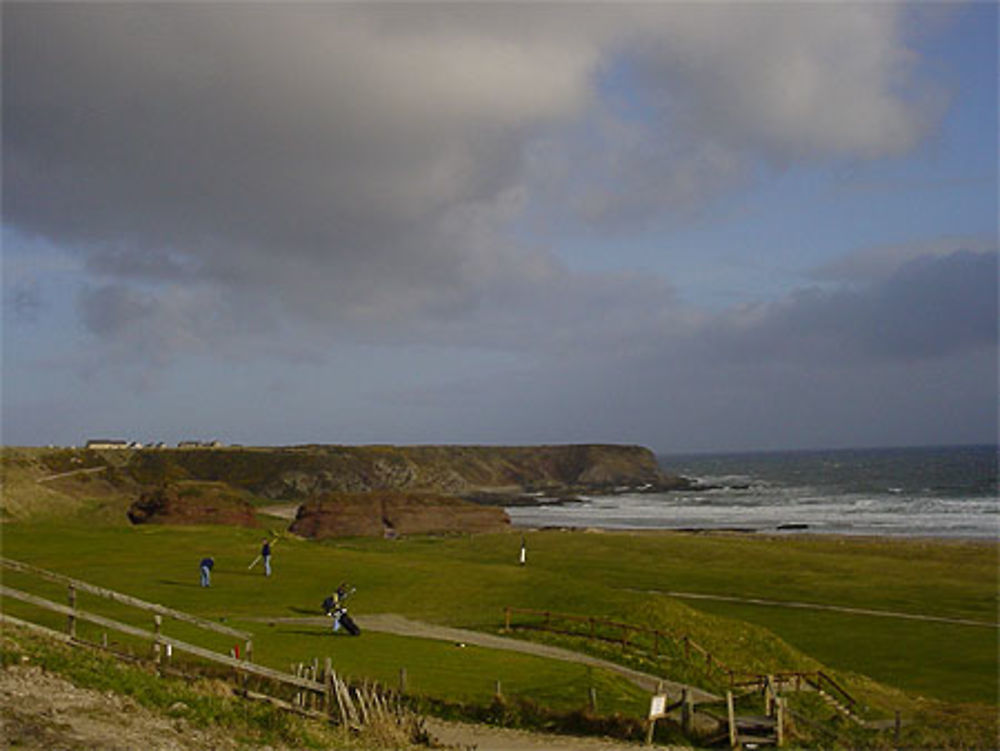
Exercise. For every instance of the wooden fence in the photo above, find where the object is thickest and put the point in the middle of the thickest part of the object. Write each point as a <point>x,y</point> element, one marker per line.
<point>627,635</point>
<point>74,586</point>
<point>321,694</point>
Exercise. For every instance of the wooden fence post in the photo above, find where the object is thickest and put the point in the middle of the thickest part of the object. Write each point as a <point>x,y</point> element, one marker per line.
<point>593,699</point>
<point>71,619</point>
<point>311,671</point>
<point>779,724</point>
<point>327,686</point>
<point>687,710</point>
<point>731,714</point>
<point>338,691</point>
<point>248,651</point>
<point>402,680</point>
<point>497,690</point>
<point>157,625</point>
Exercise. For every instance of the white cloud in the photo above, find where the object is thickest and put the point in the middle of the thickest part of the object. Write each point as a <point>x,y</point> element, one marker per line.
<point>793,79</point>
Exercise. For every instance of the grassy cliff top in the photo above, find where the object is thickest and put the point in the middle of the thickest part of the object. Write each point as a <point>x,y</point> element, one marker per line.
<point>54,480</point>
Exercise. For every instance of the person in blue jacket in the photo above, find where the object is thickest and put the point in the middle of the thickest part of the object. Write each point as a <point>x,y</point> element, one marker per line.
<point>206,571</point>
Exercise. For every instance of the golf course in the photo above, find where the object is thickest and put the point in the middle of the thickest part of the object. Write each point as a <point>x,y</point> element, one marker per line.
<point>907,627</point>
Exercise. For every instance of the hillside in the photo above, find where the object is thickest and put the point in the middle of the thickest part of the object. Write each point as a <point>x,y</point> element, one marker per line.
<point>306,471</point>
<point>53,481</point>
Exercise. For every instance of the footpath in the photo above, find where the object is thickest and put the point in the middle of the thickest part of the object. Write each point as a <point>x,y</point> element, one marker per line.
<point>396,624</point>
<point>484,737</point>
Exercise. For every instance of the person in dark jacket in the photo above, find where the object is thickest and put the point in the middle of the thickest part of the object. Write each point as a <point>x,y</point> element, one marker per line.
<point>206,571</point>
<point>265,553</point>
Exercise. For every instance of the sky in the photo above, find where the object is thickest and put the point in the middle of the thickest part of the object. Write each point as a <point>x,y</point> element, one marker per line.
<point>695,227</point>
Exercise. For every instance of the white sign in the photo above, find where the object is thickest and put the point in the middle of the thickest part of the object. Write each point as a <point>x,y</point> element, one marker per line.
<point>658,706</point>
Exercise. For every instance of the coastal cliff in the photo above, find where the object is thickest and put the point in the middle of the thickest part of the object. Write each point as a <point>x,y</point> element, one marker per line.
<point>305,472</point>
<point>341,489</point>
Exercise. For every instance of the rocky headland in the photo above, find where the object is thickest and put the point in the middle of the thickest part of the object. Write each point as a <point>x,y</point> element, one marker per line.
<point>346,490</point>
<point>473,472</point>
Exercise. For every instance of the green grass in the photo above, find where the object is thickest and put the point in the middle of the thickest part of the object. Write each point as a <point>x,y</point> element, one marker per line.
<point>159,564</point>
<point>955,663</point>
<point>466,582</point>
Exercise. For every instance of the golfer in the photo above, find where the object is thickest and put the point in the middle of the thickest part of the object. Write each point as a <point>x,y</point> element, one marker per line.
<point>206,571</point>
<point>265,553</point>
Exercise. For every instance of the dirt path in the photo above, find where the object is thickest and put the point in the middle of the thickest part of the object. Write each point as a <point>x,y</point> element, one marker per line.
<point>396,624</point>
<point>280,510</point>
<point>87,470</point>
<point>818,606</point>
<point>42,711</point>
<point>461,736</point>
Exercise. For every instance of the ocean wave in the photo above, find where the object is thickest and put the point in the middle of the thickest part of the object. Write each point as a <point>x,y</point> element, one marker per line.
<point>846,514</point>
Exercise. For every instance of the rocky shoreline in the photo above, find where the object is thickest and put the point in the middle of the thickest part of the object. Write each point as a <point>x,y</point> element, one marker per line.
<point>574,494</point>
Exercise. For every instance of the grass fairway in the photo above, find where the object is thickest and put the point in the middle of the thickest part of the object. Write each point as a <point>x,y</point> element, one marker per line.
<point>950,662</point>
<point>467,581</point>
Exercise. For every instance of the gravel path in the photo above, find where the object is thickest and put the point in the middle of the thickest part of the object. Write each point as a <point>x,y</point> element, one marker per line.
<point>396,624</point>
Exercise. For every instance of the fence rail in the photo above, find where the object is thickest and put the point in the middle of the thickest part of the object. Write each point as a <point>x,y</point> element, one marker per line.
<point>341,703</point>
<point>135,602</point>
<point>628,634</point>
<point>816,679</point>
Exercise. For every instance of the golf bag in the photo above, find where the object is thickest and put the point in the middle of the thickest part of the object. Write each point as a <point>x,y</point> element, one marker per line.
<point>341,618</point>
<point>335,608</point>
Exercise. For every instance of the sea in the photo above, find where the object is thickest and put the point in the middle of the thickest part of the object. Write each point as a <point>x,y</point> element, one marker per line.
<point>948,492</point>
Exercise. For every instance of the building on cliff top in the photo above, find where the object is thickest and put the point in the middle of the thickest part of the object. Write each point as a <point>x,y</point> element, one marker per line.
<point>104,443</point>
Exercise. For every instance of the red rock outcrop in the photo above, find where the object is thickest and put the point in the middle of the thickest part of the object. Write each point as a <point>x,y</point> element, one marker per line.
<point>197,504</point>
<point>393,513</point>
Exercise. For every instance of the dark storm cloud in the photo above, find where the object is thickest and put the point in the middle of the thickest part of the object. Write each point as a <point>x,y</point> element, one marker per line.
<point>358,172</point>
<point>905,357</point>
<point>930,307</point>
<point>262,148</point>
<point>276,183</point>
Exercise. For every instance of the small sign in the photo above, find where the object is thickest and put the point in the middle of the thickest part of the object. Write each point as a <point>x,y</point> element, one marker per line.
<point>658,706</point>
